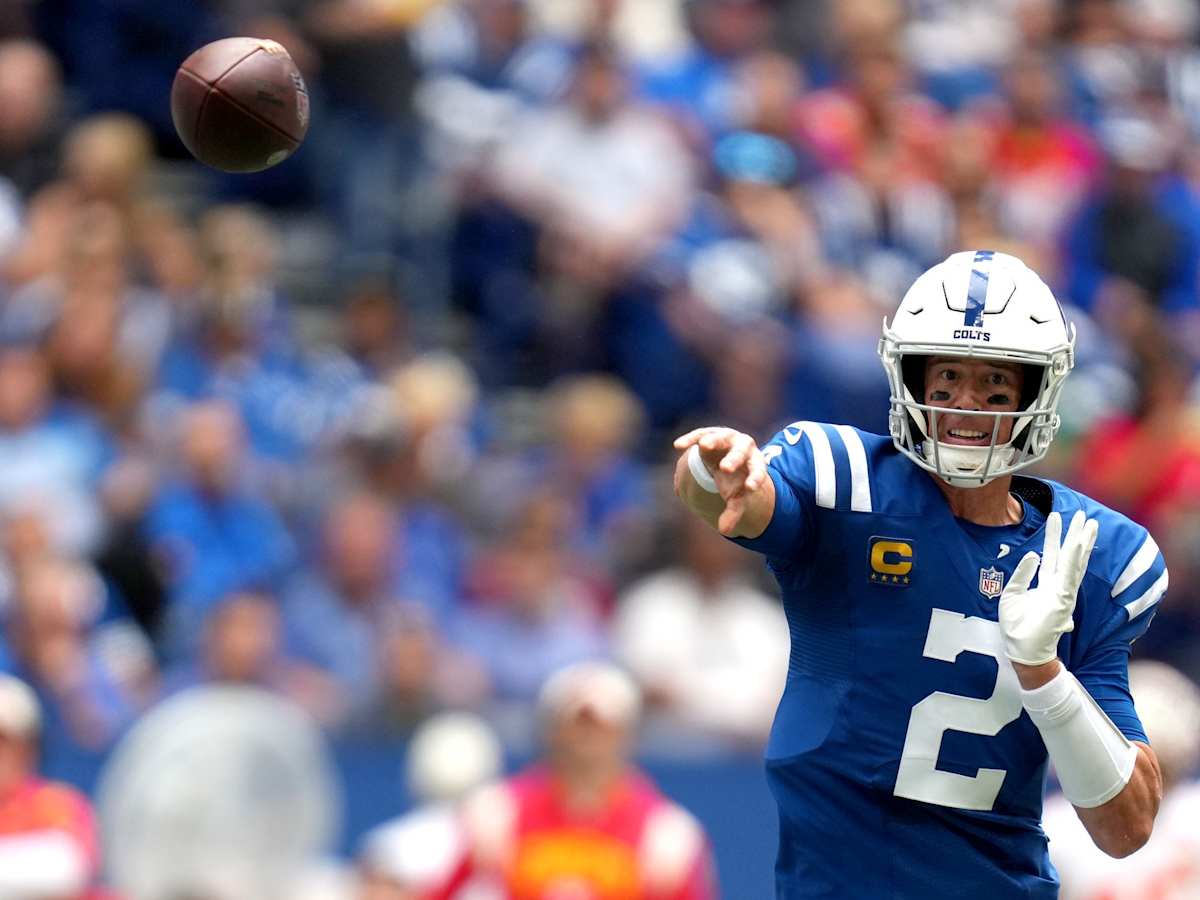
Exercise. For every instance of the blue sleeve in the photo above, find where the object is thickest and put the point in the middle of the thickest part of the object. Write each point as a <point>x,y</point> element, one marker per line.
<point>1128,607</point>
<point>790,465</point>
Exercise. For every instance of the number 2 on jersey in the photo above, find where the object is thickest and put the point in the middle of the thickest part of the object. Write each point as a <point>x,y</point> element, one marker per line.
<point>918,778</point>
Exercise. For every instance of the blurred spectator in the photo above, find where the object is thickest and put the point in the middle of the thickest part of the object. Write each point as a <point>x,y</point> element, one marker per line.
<point>491,45</point>
<point>434,398</point>
<point>338,614</point>
<point>828,375</point>
<point>743,261</point>
<point>881,210</point>
<point>770,90</point>
<point>584,819</point>
<point>644,30</point>
<point>40,247</point>
<point>1148,464</point>
<point>1042,163</point>
<point>92,682</point>
<point>31,115</point>
<point>762,249</point>
<point>49,846</point>
<point>709,649</point>
<point>411,856</point>
<point>602,177</point>
<point>170,250</point>
<point>750,375</point>
<point>592,427</point>
<point>537,611</point>
<point>83,349</point>
<point>595,182</point>
<point>967,178</point>
<point>26,544</point>
<point>1039,22</point>
<point>90,276</point>
<point>1165,33</point>
<point>211,532</point>
<point>376,326</point>
<point>238,343</point>
<point>1138,232</point>
<point>49,455</point>
<point>1168,866</point>
<point>124,57</point>
<point>367,155</point>
<point>107,157</point>
<point>697,87</point>
<point>958,46</point>
<point>417,676</point>
<point>242,645</point>
<point>874,123</point>
<point>410,442</point>
<point>1106,72</point>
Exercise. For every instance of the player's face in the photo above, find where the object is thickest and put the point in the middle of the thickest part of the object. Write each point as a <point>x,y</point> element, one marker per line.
<point>587,741</point>
<point>972,384</point>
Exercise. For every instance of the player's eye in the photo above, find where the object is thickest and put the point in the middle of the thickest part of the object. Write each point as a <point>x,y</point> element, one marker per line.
<point>997,378</point>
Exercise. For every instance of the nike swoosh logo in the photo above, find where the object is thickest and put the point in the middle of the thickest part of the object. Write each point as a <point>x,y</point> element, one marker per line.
<point>1004,548</point>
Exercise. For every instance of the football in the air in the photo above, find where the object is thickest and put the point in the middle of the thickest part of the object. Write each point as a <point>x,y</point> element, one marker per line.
<point>240,105</point>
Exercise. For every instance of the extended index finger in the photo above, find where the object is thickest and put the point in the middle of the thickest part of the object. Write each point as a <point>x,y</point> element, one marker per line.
<point>1051,546</point>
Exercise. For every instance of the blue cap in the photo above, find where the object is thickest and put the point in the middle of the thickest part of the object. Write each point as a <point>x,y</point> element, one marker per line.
<point>750,156</point>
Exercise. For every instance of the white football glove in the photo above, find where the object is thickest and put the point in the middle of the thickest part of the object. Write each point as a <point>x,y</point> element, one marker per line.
<point>1032,621</point>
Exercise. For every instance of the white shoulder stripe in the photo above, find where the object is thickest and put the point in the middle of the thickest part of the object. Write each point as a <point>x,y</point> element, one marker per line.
<point>824,474</point>
<point>1138,566</point>
<point>860,482</point>
<point>1153,594</point>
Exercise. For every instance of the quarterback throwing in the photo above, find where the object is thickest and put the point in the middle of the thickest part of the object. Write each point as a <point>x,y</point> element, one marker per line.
<point>955,625</point>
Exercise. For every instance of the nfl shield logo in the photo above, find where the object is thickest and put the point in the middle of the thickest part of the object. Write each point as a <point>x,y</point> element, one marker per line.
<point>991,582</point>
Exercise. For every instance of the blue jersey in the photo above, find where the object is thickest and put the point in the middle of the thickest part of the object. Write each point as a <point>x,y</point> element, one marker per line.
<point>901,758</point>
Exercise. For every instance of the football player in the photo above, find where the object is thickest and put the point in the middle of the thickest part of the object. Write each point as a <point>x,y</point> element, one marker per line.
<point>954,624</point>
<point>584,823</point>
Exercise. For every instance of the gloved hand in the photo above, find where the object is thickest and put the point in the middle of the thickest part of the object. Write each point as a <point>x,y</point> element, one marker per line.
<point>1032,620</point>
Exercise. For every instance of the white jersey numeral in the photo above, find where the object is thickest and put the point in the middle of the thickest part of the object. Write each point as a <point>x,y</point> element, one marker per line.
<point>950,634</point>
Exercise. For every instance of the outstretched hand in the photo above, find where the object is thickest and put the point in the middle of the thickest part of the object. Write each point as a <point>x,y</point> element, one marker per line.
<point>1033,619</point>
<point>737,466</point>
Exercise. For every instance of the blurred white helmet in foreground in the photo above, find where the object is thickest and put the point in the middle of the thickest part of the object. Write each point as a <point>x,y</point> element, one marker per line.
<point>221,792</point>
<point>450,754</point>
<point>20,714</point>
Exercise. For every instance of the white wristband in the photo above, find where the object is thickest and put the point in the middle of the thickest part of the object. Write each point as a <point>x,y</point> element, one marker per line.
<point>700,471</point>
<point>1093,760</point>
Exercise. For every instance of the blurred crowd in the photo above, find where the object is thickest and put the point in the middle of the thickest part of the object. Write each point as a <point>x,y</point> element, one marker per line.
<point>385,430</point>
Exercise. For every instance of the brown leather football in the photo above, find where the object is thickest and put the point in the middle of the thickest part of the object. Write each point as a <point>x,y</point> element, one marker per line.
<point>240,105</point>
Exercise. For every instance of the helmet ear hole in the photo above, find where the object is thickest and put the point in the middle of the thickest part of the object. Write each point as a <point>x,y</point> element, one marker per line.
<point>912,368</point>
<point>1031,385</point>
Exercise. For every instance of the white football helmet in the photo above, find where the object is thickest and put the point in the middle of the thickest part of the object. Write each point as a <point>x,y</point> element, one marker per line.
<point>983,305</point>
